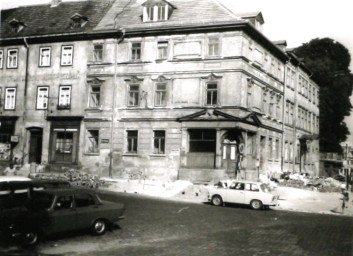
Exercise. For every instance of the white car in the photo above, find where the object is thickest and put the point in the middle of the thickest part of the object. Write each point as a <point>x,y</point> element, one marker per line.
<point>255,194</point>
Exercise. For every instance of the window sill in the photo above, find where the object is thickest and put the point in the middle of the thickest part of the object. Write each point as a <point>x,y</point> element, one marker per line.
<point>161,60</point>
<point>131,154</point>
<point>91,154</point>
<point>63,107</point>
<point>158,155</point>
<point>97,109</point>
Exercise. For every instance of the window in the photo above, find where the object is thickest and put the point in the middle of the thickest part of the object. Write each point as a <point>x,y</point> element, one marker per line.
<point>92,141</point>
<point>132,140</point>
<point>202,140</point>
<point>264,102</point>
<point>64,97</point>
<point>161,95</point>
<point>10,98</point>
<point>252,187</point>
<point>66,55</point>
<point>158,142</point>
<point>150,13</point>
<point>94,96</point>
<point>63,202</point>
<point>162,50</point>
<point>211,93</point>
<point>136,51</point>
<point>161,13</point>
<point>12,58</point>
<point>98,52</point>
<point>44,56</point>
<point>213,47</point>
<point>134,90</point>
<point>42,97</point>
<point>64,143</point>
<point>270,148</point>
<point>84,200</point>
<point>1,58</point>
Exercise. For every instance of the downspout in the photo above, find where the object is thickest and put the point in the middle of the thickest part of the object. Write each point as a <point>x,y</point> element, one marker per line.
<point>114,103</point>
<point>25,100</point>
<point>283,113</point>
<point>295,121</point>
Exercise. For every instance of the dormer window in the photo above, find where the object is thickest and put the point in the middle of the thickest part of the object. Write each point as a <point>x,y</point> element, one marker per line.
<point>157,10</point>
<point>78,21</point>
<point>16,26</point>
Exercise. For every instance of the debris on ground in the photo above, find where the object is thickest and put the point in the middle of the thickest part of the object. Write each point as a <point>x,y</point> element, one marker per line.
<point>74,176</point>
<point>305,181</point>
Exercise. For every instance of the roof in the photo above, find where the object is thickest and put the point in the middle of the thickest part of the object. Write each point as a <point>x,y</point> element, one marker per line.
<point>46,20</point>
<point>128,14</point>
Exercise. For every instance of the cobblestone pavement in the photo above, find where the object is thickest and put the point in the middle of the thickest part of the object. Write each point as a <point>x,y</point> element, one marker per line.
<point>159,227</point>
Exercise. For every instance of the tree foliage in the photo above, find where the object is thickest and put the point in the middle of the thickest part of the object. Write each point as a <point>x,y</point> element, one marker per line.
<point>329,61</point>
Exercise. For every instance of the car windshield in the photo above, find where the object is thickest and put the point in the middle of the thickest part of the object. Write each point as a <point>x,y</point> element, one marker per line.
<point>265,188</point>
<point>40,201</point>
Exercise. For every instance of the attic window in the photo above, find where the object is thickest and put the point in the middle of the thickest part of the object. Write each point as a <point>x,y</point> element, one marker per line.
<point>157,10</point>
<point>78,21</point>
<point>16,26</point>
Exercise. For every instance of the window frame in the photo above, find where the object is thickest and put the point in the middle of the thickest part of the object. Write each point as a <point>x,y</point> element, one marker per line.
<point>40,56</point>
<point>59,106</point>
<point>212,90</point>
<point>72,55</point>
<point>38,89</point>
<point>1,58</point>
<point>209,44</point>
<point>5,98</point>
<point>164,45</point>
<point>91,92</point>
<point>95,50</point>
<point>158,92</point>
<point>8,58</point>
<point>135,91</point>
<point>87,136</point>
<point>134,139</point>
<point>161,140</point>
<point>133,53</point>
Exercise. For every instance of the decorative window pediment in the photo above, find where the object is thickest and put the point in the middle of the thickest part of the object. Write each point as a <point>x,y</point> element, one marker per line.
<point>212,77</point>
<point>160,79</point>
<point>16,25</point>
<point>133,79</point>
<point>157,10</point>
<point>78,21</point>
<point>95,80</point>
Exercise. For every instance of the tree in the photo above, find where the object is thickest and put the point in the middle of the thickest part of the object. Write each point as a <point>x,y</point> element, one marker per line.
<point>329,61</point>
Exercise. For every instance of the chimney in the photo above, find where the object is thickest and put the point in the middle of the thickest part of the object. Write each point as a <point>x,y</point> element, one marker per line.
<point>55,3</point>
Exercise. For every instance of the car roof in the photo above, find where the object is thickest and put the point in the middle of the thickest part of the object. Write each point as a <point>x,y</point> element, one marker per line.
<point>66,191</point>
<point>243,181</point>
<point>13,178</point>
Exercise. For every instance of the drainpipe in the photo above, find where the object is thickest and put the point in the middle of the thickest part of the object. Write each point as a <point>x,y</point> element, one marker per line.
<point>283,113</point>
<point>114,103</point>
<point>25,100</point>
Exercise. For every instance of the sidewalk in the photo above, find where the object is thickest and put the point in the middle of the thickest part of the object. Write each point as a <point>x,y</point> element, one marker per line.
<point>291,199</point>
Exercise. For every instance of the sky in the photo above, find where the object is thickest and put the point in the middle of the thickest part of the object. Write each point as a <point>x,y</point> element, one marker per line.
<point>297,22</point>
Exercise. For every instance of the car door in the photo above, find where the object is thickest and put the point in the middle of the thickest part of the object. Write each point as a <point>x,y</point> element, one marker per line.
<point>235,193</point>
<point>87,209</point>
<point>63,215</point>
<point>252,191</point>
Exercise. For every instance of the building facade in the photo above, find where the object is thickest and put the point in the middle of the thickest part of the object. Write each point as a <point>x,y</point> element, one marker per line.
<point>148,92</point>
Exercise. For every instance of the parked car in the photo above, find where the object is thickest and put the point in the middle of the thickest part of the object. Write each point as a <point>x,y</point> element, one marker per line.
<point>51,211</point>
<point>256,194</point>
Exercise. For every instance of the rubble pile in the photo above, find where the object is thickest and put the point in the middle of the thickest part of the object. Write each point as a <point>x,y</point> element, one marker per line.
<point>305,181</point>
<point>75,177</point>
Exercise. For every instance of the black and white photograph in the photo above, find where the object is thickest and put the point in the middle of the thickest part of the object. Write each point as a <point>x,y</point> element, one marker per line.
<point>176,128</point>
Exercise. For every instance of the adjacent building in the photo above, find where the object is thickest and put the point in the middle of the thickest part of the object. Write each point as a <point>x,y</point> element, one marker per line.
<point>139,89</point>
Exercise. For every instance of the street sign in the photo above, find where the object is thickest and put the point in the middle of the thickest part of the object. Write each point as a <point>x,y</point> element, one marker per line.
<point>14,138</point>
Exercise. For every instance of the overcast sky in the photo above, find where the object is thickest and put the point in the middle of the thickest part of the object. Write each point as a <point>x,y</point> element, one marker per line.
<point>295,21</point>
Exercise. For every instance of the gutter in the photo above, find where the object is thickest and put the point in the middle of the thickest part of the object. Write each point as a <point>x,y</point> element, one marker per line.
<point>25,99</point>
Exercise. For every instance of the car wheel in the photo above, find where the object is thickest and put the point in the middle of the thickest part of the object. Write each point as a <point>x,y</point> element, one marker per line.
<point>99,227</point>
<point>256,204</point>
<point>217,200</point>
<point>30,238</point>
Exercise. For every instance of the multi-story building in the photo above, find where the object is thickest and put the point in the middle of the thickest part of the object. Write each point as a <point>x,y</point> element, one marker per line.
<point>168,90</point>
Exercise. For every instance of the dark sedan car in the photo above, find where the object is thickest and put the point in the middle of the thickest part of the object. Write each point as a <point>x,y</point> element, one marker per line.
<point>52,211</point>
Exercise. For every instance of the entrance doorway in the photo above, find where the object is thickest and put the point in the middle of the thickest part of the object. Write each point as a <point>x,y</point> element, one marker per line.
<point>229,155</point>
<point>35,146</point>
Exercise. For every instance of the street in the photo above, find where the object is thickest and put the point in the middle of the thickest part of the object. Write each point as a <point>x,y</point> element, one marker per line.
<point>160,227</point>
